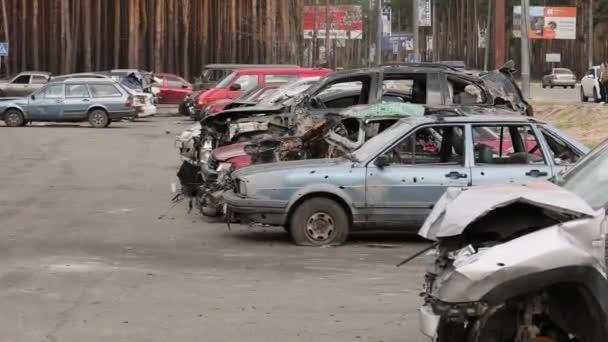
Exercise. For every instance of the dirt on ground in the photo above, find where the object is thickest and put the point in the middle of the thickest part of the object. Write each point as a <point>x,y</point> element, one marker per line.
<point>588,122</point>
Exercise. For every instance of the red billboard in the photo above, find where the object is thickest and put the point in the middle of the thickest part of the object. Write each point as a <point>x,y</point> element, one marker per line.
<point>346,21</point>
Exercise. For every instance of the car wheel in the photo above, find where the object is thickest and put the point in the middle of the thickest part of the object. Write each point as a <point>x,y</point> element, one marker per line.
<point>583,97</point>
<point>14,118</point>
<point>551,86</point>
<point>108,124</point>
<point>98,118</point>
<point>318,222</point>
<point>572,86</point>
<point>596,98</point>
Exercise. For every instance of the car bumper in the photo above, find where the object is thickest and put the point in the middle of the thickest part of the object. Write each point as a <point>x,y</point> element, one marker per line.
<point>563,82</point>
<point>249,210</point>
<point>122,115</point>
<point>428,321</point>
<point>147,110</point>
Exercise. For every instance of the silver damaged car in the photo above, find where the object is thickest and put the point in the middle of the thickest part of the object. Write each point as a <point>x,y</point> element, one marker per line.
<point>520,262</point>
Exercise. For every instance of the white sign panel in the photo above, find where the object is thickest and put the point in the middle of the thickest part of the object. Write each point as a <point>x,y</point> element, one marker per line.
<point>554,58</point>
<point>424,13</point>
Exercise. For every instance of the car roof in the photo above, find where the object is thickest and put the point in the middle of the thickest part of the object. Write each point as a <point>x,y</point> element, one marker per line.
<point>401,68</point>
<point>454,117</point>
<point>87,80</point>
<point>279,69</point>
<point>248,66</point>
<point>45,73</point>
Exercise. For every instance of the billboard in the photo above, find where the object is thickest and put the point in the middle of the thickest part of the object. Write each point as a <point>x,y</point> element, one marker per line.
<point>346,21</point>
<point>547,22</point>
<point>424,13</point>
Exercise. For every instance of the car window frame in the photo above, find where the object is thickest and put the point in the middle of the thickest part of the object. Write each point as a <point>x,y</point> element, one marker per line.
<point>65,91</point>
<point>42,91</point>
<point>89,85</point>
<point>539,141</point>
<point>41,77</point>
<point>22,75</point>
<point>468,144</point>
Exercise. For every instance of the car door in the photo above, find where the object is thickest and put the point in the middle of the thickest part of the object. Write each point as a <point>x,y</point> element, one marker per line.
<point>587,82</point>
<point>47,105</point>
<point>77,101</point>
<point>19,86</point>
<point>177,89</point>
<point>508,153</point>
<point>406,180</point>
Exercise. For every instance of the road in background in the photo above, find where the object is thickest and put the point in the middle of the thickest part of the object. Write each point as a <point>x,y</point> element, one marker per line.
<point>557,94</point>
<point>85,257</point>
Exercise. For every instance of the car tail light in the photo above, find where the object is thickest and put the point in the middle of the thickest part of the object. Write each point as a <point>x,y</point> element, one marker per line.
<point>129,102</point>
<point>203,101</point>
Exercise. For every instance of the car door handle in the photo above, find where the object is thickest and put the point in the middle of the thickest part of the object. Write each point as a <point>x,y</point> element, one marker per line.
<point>536,173</point>
<point>85,100</point>
<point>455,175</point>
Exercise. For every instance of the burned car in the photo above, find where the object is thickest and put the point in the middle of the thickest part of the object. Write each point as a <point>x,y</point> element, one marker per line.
<point>520,262</point>
<point>313,137</point>
<point>394,179</point>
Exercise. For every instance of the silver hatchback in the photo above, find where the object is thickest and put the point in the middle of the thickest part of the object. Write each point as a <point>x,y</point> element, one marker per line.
<point>98,101</point>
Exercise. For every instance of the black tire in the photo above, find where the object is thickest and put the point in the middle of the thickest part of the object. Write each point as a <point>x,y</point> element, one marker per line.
<point>544,85</point>
<point>583,97</point>
<point>565,87</point>
<point>14,118</point>
<point>305,221</point>
<point>551,86</point>
<point>596,98</point>
<point>573,86</point>
<point>98,118</point>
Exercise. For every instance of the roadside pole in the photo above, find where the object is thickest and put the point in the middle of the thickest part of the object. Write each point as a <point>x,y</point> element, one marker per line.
<point>590,44</point>
<point>416,47</point>
<point>525,49</point>
<point>486,53</point>
<point>379,33</point>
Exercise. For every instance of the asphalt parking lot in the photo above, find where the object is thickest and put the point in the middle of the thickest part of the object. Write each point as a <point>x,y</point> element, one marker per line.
<point>85,257</point>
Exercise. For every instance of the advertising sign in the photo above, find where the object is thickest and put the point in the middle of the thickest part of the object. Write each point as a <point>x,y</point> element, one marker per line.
<point>346,21</point>
<point>553,58</point>
<point>424,13</point>
<point>547,22</point>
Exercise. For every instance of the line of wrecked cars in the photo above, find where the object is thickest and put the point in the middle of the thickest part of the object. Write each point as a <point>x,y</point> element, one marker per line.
<point>311,119</point>
<point>517,208</point>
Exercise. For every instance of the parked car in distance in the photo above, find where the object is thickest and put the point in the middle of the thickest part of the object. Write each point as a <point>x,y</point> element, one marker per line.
<point>24,83</point>
<point>394,179</point>
<point>143,102</point>
<point>98,101</point>
<point>559,77</point>
<point>243,80</point>
<point>590,85</point>
<point>213,73</point>
<point>172,88</point>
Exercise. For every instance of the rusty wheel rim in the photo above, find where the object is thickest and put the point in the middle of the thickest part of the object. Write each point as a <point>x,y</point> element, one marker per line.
<point>320,226</point>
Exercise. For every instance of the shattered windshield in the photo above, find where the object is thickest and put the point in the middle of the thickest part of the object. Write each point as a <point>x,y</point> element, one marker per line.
<point>289,90</point>
<point>589,179</point>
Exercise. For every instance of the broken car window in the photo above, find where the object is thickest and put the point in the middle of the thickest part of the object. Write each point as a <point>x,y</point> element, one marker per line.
<point>513,144</point>
<point>464,92</point>
<point>411,88</point>
<point>430,145</point>
<point>561,152</point>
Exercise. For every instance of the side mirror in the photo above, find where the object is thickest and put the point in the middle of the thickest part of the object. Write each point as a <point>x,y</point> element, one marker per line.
<point>33,97</point>
<point>558,161</point>
<point>235,86</point>
<point>381,161</point>
<point>184,86</point>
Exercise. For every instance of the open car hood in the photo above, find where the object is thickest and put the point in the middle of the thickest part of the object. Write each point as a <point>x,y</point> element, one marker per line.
<point>460,207</point>
<point>503,89</point>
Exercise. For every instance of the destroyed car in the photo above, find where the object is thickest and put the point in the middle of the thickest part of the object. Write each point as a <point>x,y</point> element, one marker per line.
<point>327,136</point>
<point>520,262</point>
<point>420,84</point>
<point>24,83</point>
<point>394,179</point>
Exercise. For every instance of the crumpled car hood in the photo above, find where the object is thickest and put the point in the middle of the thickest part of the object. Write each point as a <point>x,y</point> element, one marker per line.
<point>459,207</point>
<point>229,151</point>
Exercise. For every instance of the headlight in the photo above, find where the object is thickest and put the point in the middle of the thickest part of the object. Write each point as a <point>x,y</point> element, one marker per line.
<point>241,187</point>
